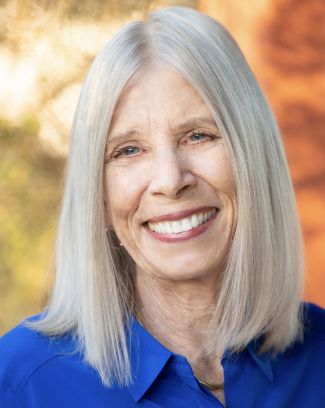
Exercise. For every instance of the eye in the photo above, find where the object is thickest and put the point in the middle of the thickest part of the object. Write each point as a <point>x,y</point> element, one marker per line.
<point>126,151</point>
<point>197,137</point>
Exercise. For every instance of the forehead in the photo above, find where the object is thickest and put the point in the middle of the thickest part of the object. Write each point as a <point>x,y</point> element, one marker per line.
<point>161,94</point>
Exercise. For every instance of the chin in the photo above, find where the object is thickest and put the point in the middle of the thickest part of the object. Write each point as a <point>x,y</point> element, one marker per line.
<point>187,275</point>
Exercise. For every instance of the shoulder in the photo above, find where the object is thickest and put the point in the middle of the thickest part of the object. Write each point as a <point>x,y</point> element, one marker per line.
<point>314,320</point>
<point>41,371</point>
<point>308,350</point>
<point>302,364</point>
<point>23,351</point>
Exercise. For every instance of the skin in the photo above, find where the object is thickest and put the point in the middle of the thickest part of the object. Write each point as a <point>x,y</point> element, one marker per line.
<point>167,169</point>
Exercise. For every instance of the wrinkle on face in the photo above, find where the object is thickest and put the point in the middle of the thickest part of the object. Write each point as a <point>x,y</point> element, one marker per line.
<point>168,175</point>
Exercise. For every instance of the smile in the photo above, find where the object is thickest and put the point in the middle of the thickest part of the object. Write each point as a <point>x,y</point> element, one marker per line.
<point>182,225</point>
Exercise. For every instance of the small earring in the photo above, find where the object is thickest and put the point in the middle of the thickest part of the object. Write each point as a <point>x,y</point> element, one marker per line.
<point>109,228</point>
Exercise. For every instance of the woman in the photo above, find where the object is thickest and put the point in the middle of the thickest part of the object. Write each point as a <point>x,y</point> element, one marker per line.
<point>179,259</point>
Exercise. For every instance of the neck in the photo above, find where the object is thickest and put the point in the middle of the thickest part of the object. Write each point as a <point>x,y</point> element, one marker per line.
<point>176,313</point>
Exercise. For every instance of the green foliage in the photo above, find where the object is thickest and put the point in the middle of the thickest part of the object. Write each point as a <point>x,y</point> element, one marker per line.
<point>30,190</point>
<point>38,48</point>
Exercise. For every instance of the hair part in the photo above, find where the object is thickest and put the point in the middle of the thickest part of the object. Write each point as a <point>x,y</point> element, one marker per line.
<point>261,286</point>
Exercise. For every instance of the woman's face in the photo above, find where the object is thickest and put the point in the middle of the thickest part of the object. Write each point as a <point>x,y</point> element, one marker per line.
<point>168,179</point>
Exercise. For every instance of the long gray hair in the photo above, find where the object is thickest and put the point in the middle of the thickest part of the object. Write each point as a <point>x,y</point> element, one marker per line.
<point>262,284</point>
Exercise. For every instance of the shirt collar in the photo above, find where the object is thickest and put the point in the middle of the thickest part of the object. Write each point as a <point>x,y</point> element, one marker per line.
<point>148,358</point>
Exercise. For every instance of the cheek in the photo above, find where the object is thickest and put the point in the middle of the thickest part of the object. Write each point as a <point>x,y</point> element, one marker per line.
<point>124,186</point>
<point>216,169</point>
<point>228,178</point>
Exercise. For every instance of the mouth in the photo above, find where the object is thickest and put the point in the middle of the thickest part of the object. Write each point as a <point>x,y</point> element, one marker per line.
<point>179,226</point>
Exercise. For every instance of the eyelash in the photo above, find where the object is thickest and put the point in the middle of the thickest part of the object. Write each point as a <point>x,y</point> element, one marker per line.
<point>202,134</point>
<point>119,152</point>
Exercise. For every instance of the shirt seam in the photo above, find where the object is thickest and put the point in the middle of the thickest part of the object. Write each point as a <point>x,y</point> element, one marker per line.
<point>21,386</point>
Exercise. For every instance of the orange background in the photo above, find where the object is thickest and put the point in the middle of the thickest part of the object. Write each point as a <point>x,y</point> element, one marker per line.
<point>284,42</point>
<point>45,51</point>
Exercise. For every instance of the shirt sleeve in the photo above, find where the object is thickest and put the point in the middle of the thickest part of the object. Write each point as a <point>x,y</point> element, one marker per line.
<point>8,397</point>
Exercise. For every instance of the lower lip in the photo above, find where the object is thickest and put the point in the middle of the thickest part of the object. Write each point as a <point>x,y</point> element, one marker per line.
<point>182,236</point>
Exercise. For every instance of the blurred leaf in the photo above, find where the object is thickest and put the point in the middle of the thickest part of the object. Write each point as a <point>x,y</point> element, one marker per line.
<point>30,195</point>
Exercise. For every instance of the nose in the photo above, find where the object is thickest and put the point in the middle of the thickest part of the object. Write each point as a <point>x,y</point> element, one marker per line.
<point>172,174</point>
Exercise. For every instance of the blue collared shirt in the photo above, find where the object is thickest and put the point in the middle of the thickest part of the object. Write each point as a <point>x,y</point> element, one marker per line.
<point>38,372</point>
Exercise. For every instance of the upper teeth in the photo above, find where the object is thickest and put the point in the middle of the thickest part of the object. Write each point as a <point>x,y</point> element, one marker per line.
<point>185,224</point>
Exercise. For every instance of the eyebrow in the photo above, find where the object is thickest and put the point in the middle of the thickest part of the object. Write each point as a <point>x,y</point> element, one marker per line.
<point>187,124</point>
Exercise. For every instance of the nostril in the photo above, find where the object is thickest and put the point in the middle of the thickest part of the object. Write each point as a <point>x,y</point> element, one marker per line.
<point>180,192</point>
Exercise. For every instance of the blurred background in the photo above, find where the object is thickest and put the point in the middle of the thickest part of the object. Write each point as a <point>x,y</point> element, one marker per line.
<point>46,48</point>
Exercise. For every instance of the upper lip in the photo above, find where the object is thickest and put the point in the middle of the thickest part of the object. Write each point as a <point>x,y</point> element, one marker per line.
<point>179,215</point>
